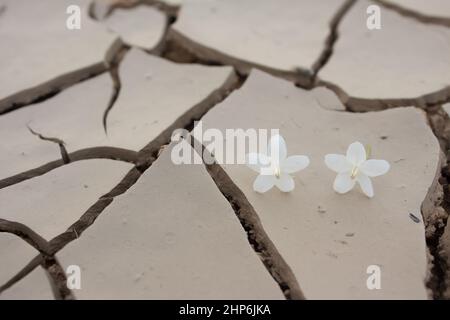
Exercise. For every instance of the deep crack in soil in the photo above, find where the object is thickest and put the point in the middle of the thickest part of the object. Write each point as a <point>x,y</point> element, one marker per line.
<point>62,145</point>
<point>250,222</point>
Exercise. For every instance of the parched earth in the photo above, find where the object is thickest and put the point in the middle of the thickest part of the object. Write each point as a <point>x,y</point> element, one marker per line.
<point>86,176</point>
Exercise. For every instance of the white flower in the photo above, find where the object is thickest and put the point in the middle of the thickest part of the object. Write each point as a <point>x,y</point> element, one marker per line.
<point>274,168</point>
<point>355,166</point>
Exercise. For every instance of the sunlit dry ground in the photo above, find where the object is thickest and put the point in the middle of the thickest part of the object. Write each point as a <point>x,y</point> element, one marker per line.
<point>86,176</point>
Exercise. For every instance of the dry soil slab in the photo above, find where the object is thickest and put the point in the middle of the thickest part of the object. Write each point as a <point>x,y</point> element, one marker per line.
<point>404,60</point>
<point>155,93</point>
<point>40,54</point>
<point>328,239</point>
<point>141,26</point>
<point>277,36</point>
<point>171,236</point>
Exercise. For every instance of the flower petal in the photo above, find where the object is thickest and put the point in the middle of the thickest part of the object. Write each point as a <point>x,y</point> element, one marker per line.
<point>365,184</point>
<point>285,183</point>
<point>277,149</point>
<point>343,183</point>
<point>294,164</point>
<point>338,163</point>
<point>356,153</point>
<point>256,161</point>
<point>263,183</point>
<point>374,168</point>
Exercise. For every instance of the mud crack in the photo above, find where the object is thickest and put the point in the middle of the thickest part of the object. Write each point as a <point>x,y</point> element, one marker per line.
<point>117,85</point>
<point>26,234</point>
<point>443,21</point>
<point>331,39</point>
<point>354,104</point>
<point>250,222</point>
<point>62,145</point>
<point>57,279</point>
<point>436,223</point>
<point>111,153</point>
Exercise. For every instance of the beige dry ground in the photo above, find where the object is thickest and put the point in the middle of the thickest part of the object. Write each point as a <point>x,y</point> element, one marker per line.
<point>86,176</point>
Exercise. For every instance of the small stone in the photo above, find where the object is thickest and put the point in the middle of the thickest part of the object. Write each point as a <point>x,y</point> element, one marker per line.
<point>414,218</point>
<point>349,234</point>
<point>321,210</point>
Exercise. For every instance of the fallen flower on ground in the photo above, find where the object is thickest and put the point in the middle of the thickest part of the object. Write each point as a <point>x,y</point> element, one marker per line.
<point>275,167</point>
<point>355,167</point>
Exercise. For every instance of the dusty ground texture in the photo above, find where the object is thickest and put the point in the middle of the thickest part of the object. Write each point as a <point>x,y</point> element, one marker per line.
<point>86,176</point>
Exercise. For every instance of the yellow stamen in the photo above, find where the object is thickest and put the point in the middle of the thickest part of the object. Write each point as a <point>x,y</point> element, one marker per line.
<point>277,172</point>
<point>368,151</point>
<point>354,172</point>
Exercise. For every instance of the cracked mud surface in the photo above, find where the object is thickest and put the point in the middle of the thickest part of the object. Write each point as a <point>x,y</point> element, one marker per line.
<point>86,176</point>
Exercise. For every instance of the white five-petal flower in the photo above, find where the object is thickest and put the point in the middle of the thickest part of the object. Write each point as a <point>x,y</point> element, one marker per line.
<point>275,167</point>
<point>355,166</point>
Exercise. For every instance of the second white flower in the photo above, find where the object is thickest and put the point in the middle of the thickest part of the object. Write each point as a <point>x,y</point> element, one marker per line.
<point>355,167</point>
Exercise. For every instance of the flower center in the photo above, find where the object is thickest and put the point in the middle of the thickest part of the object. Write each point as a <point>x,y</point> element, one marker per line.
<point>354,172</point>
<point>277,172</point>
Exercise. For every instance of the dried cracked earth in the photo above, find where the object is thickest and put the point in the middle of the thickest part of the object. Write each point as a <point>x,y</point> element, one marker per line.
<point>86,176</point>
